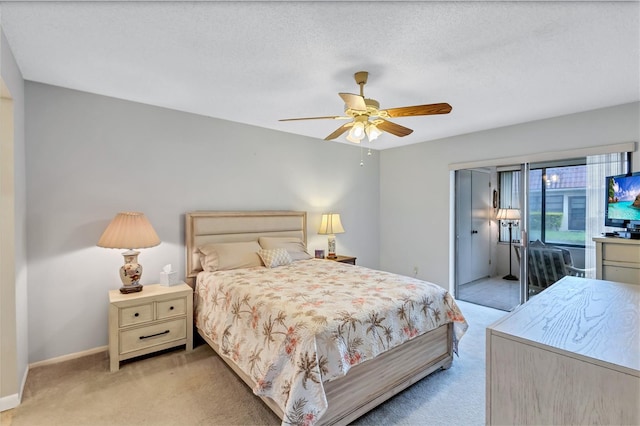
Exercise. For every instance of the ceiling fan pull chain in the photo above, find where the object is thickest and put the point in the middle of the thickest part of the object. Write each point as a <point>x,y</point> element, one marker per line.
<point>361,158</point>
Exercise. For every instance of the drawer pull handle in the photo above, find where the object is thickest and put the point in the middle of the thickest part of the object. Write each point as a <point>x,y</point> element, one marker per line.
<point>136,314</point>
<point>171,308</point>
<point>154,335</point>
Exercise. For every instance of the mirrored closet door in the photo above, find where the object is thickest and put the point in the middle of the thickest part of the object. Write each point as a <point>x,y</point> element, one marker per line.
<point>546,212</point>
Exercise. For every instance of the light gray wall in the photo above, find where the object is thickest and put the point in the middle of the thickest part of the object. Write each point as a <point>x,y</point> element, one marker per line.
<point>415,182</point>
<point>89,157</point>
<point>13,79</point>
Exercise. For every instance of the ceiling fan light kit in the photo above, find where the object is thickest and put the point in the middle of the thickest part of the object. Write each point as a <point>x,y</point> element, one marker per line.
<point>368,120</point>
<point>357,132</point>
<point>372,132</point>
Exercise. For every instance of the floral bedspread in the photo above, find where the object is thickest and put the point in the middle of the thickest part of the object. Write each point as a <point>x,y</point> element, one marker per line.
<point>291,328</point>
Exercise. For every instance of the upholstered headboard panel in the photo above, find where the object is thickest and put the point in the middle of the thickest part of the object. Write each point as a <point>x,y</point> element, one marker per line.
<point>205,227</point>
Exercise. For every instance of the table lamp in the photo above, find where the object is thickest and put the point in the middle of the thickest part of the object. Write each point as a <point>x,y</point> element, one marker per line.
<point>129,230</point>
<point>330,226</point>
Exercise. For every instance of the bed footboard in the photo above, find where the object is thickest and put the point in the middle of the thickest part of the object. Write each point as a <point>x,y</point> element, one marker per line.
<point>369,384</point>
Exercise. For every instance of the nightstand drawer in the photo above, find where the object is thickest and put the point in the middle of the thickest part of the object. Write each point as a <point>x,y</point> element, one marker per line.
<point>156,334</point>
<point>171,308</point>
<point>136,314</point>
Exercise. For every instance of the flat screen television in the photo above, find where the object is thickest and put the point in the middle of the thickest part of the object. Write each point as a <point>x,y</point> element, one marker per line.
<point>622,208</point>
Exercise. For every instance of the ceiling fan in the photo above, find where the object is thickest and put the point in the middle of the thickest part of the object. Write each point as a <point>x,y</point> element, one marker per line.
<point>367,117</point>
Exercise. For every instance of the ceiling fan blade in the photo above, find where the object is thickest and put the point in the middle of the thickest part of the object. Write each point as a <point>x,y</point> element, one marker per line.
<point>430,109</point>
<point>331,117</point>
<point>339,131</point>
<point>393,128</point>
<point>355,102</point>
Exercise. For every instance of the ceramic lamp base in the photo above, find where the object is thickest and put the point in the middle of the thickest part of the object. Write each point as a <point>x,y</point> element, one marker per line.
<point>126,289</point>
<point>331,253</point>
<point>130,272</point>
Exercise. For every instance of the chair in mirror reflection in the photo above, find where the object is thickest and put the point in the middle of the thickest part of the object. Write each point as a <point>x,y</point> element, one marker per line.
<point>548,264</point>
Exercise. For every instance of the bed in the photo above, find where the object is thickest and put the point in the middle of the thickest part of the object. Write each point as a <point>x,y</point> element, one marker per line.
<point>296,331</point>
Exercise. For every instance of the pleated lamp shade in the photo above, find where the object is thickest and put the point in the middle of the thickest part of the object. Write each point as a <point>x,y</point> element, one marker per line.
<point>508,214</point>
<point>330,224</point>
<point>129,230</point>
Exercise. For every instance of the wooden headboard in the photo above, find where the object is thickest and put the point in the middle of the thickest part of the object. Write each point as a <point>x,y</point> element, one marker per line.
<point>204,227</point>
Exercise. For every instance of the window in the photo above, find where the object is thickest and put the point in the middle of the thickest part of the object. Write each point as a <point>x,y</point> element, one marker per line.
<point>577,213</point>
<point>557,201</point>
<point>566,198</point>
<point>560,222</point>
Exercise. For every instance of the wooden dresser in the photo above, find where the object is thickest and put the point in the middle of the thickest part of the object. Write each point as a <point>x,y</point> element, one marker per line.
<point>571,355</point>
<point>618,259</point>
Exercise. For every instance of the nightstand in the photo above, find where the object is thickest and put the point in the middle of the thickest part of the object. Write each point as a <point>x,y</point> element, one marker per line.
<point>345,259</point>
<point>157,318</point>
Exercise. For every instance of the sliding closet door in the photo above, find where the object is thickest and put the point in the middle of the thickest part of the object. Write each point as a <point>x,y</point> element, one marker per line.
<point>562,209</point>
<point>463,227</point>
<point>524,231</point>
<point>560,204</point>
<point>473,215</point>
<point>514,185</point>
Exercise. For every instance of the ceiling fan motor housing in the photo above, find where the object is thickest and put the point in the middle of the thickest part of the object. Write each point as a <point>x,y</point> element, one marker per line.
<point>373,109</point>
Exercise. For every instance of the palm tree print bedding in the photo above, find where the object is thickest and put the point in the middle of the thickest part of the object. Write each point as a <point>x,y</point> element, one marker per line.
<point>293,327</point>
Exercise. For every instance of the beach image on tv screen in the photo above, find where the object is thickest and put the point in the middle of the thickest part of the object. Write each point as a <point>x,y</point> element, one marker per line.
<point>624,198</point>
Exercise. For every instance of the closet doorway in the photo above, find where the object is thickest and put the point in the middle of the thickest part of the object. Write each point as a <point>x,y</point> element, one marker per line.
<point>477,278</point>
<point>473,200</point>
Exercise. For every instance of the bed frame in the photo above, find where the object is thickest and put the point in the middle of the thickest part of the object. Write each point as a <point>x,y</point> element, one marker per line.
<point>366,385</point>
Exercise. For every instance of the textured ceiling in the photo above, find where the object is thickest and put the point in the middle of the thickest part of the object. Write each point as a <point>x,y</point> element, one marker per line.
<point>496,63</point>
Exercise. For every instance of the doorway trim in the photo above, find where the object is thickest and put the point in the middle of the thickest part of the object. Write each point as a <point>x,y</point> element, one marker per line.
<point>546,156</point>
<point>10,390</point>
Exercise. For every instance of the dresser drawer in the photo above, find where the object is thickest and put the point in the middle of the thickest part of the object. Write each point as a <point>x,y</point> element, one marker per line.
<point>621,274</point>
<point>136,314</point>
<point>171,308</point>
<point>620,253</point>
<point>156,334</point>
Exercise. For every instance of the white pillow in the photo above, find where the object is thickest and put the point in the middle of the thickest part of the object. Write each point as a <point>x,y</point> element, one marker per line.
<point>225,256</point>
<point>273,258</point>
<point>294,246</point>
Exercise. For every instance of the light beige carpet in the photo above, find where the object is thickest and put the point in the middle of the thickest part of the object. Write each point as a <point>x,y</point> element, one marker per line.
<point>197,388</point>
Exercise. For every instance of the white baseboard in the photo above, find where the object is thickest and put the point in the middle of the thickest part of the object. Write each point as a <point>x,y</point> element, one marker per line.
<point>68,357</point>
<point>24,382</point>
<point>9,402</point>
<point>12,401</point>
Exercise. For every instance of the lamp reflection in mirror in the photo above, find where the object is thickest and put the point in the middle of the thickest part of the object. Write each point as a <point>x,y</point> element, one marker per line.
<point>331,225</point>
<point>129,230</point>
<point>509,217</point>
